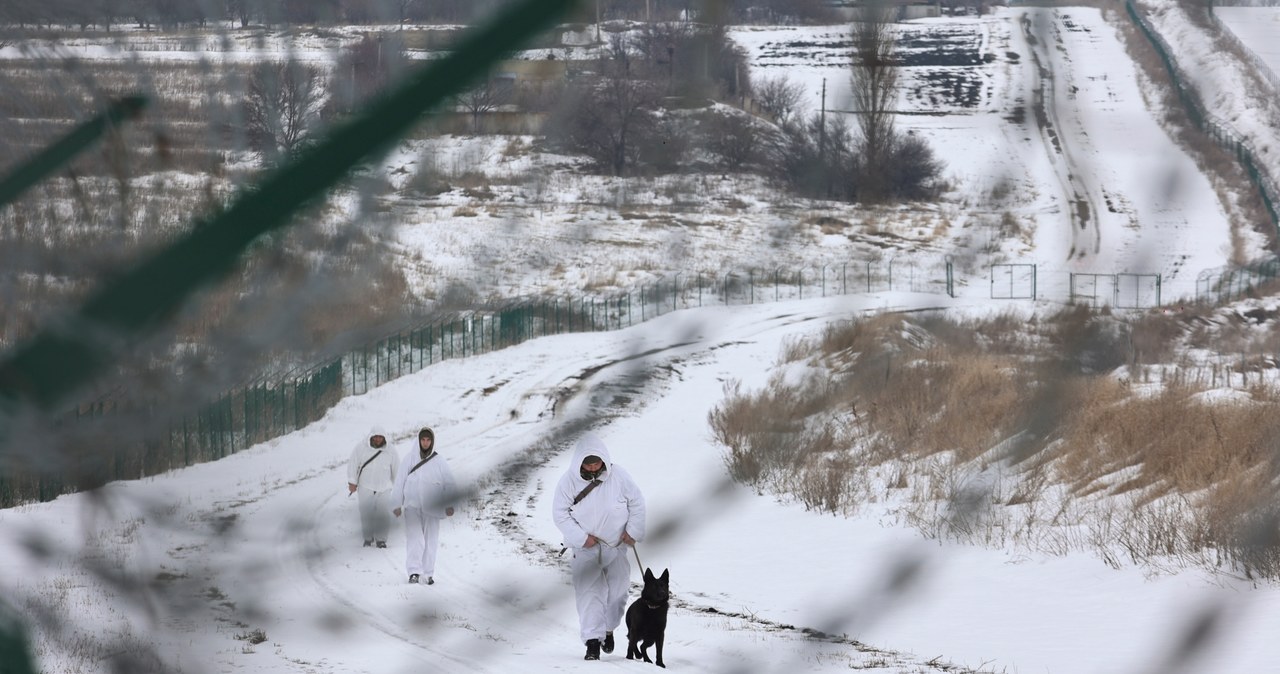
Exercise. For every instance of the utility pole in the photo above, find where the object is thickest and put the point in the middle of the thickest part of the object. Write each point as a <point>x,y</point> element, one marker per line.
<point>822,123</point>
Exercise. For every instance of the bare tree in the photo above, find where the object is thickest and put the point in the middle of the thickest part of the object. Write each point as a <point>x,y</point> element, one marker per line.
<point>779,97</point>
<point>483,99</point>
<point>404,9</point>
<point>875,93</point>
<point>240,11</point>
<point>606,114</point>
<point>281,106</point>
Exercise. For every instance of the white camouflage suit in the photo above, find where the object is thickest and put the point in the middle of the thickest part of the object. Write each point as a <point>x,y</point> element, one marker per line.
<point>425,495</point>
<point>374,481</point>
<point>601,573</point>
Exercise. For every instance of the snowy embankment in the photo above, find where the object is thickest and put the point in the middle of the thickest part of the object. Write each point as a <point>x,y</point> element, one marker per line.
<point>266,541</point>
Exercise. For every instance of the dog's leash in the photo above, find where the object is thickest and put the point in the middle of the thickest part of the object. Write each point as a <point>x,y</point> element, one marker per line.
<point>601,543</point>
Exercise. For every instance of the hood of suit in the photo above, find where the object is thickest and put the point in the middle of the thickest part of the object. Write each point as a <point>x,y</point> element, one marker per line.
<point>587,445</point>
<point>377,429</point>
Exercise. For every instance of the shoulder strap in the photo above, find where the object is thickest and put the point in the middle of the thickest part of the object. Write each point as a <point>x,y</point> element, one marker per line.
<point>419,464</point>
<point>583,494</point>
<point>361,471</point>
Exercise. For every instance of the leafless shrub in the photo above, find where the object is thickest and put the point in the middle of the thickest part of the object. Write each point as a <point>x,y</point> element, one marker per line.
<point>428,181</point>
<point>665,144</point>
<point>733,137</point>
<point>815,157</point>
<point>779,97</point>
<point>767,434</point>
<point>601,116</point>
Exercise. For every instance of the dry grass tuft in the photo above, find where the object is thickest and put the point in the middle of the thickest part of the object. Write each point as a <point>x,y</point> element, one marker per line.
<point>1035,409</point>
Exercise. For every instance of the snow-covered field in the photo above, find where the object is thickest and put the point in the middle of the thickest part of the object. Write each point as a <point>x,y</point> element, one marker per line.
<point>1257,28</point>
<point>753,577</point>
<point>1054,157</point>
<point>1055,131</point>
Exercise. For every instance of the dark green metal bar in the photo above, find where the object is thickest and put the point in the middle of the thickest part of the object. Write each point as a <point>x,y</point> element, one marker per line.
<point>72,352</point>
<point>15,645</point>
<point>60,153</point>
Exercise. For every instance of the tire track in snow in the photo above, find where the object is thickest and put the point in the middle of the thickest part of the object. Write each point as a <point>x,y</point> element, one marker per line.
<point>1039,25</point>
<point>502,508</point>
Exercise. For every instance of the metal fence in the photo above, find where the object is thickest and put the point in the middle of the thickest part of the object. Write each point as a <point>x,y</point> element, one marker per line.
<point>1226,285</point>
<point>1013,281</point>
<point>270,407</point>
<point>1122,291</point>
<point>1217,129</point>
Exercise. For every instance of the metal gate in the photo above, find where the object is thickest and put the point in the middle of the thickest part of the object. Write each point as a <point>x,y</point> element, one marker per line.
<point>1013,281</point>
<point>1123,291</point>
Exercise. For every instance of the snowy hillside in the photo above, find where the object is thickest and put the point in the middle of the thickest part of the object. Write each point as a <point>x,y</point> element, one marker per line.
<point>1042,123</point>
<point>1055,157</point>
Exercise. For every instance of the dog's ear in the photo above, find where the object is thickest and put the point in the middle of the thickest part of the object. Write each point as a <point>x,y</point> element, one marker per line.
<point>666,574</point>
<point>648,574</point>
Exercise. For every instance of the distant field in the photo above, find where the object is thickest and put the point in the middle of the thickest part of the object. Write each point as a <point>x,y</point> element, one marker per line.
<point>1258,28</point>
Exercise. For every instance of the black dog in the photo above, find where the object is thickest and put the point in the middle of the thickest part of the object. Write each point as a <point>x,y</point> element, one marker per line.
<point>647,617</point>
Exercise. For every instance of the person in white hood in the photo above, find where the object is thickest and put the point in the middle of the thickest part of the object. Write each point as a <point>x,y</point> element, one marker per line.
<point>425,492</point>
<point>599,509</point>
<point>371,472</point>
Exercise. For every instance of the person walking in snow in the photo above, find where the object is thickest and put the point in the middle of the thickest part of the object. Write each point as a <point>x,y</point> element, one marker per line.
<point>599,509</point>
<point>425,492</point>
<point>371,472</point>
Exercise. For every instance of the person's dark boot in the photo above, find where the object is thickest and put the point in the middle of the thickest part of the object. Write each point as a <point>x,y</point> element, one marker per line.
<point>368,542</point>
<point>382,544</point>
<point>607,646</point>
<point>413,578</point>
<point>593,649</point>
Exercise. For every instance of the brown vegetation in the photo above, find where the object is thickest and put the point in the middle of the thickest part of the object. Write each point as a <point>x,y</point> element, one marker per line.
<point>924,400</point>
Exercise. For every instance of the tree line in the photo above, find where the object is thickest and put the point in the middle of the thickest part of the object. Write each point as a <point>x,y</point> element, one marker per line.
<point>666,95</point>
<point>674,97</point>
<point>167,14</point>
<point>662,97</point>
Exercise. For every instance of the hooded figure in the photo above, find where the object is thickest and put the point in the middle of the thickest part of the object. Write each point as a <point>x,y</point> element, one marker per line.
<point>425,492</point>
<point>599,510</point>
<point>371,472</point>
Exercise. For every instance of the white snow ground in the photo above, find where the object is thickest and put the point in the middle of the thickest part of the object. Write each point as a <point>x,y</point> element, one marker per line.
<point>749,573</point>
